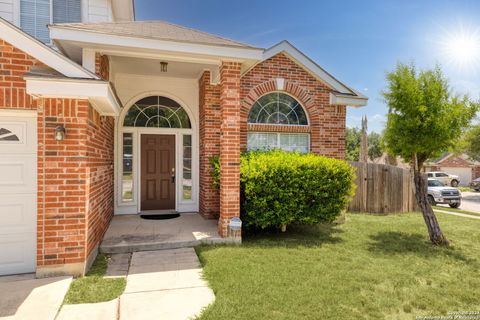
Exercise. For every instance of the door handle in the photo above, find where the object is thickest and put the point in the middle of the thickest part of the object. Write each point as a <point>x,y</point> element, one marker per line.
<point>173,175</point>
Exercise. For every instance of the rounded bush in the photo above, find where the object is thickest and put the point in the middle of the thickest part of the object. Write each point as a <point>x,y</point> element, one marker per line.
<point>279,188</point>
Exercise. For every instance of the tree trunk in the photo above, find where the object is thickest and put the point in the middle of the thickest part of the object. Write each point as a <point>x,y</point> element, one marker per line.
<point>436,235</point>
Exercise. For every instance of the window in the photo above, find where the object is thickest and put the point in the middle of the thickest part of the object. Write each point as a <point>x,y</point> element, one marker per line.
<point>157,112</point>
<point>66,11</point>
<point>430,175</point>
<point>441,174</point>
<point>187,167</point>
<point>127,168</point>
<point>35,15</point>
<point>277,108</point>
<point>34,18</point>
<point>298,142</point>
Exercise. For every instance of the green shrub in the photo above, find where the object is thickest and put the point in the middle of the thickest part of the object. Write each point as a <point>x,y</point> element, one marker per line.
<point>279,188</point>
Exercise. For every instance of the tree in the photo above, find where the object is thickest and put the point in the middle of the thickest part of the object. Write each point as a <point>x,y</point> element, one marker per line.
<point>352,141</point>
<point>352,144</point>
<point>424,120</point>
<point>471,143</point>
<point>375,145</point>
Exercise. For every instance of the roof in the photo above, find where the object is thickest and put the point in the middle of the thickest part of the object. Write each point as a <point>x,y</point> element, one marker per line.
<point>160,30</point>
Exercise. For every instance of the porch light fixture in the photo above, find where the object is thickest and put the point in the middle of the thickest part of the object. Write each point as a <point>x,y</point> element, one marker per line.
<point>60,133</point>
<point>163,66</point>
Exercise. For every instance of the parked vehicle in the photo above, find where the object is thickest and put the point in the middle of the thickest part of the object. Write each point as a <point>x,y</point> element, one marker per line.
<point>446,178</point>
<point>438,193</point>
<point>475,184</point>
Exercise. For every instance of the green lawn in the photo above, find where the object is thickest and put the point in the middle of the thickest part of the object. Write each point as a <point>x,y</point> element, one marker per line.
<point>456,210</point>
<point>371,267</point>
<point>94,287</point>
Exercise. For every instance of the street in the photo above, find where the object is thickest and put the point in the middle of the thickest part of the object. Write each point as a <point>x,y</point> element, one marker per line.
<point>470,202</point>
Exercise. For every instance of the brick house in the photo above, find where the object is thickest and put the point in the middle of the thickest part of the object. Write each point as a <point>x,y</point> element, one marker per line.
<point>458,164</point>
<point>101,115</point>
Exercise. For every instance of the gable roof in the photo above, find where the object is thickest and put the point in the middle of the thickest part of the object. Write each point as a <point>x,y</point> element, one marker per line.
<point>160,30</point>
<point>42,52</point>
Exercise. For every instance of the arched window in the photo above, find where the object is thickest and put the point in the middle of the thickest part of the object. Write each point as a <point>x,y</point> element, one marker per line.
<point>157,112</point>
<point>277,108</point>
<point>280,109</point>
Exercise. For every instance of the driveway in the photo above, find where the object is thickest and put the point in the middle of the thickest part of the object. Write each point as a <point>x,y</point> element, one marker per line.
<point>470,202</point>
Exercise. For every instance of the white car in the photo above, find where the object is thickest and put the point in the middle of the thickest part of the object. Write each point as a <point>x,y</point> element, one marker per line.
<point>440,194</point>
<point>445,178</point>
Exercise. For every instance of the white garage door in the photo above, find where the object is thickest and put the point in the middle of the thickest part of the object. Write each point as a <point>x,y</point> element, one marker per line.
<point>18,191</point>
<point>464,174</point>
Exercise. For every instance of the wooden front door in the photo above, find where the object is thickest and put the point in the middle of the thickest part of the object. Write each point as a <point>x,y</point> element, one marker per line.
<point>158,172</point>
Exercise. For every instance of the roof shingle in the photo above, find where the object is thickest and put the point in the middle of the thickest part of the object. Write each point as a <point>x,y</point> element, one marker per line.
<point>155,30</point>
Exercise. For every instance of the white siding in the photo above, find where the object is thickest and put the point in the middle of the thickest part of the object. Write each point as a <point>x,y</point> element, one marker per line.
<point>97,11</point>
<point>7,10</point>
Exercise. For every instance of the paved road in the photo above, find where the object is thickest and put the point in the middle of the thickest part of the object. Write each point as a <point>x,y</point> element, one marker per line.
<point>470,201</point>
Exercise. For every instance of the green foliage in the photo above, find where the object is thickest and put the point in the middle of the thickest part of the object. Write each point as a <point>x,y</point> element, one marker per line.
<point>215,173</point>
<point>471,142</point>
<point>375,145</point>
<point>280,188</point>
<point>424,118</point>
<point>352,141</point>
<point>352,144</point>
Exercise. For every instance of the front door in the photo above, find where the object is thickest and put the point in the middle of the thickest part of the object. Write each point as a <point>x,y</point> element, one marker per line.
<point>158,172</point>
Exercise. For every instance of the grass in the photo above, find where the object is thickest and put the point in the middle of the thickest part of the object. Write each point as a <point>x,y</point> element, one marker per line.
<point>371,267</point>
<point>94,287</point>
<point>456,210</point>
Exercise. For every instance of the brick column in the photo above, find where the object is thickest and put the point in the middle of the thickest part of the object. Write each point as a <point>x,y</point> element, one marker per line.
<point>229,144</point>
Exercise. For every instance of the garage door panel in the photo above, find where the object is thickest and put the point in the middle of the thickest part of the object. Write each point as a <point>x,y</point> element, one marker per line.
<point>464,174</point>
<point>18,191</point>
<point>17,214</point>
<point>18,134</point>
<point>16,253</point>
<point>18,174</point>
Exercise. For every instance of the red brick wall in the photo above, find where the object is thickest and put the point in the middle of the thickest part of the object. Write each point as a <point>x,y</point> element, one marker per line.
<point>229,144</point>
<point>327,122</point>
<point>210,117</point>
<point>75,176</point>
<point>102,66</point>
<point>100,172</point>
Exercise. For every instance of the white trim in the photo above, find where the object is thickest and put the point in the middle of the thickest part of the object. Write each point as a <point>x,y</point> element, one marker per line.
<point>133,207</point>
<point>88,59</point>
<point>40,51</point>
<point>356,99</point>
<point>65,33</point>
<point>18,113</point>
<point>353,101</point>
<point>99,93</point>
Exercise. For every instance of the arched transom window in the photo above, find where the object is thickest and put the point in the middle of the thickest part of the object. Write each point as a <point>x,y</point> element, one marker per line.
<point>157,112</point>
<point>277,108</point>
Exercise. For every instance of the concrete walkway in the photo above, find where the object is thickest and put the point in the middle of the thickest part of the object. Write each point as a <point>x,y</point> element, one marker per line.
<point>164,284</point>
<point>24,297</point>
<point>457,214</point>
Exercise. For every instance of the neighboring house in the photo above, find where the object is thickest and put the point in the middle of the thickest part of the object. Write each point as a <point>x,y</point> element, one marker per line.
<point>457,164</point>
<point>123,117</point>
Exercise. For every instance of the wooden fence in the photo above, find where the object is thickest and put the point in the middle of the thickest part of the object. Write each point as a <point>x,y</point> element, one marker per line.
<point>382,189</point>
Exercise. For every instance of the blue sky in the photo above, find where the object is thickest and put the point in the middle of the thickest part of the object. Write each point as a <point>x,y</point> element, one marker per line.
<point>356,41</point>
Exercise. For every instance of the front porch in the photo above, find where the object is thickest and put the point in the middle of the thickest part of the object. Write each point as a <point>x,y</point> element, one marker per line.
<point>131,233</point>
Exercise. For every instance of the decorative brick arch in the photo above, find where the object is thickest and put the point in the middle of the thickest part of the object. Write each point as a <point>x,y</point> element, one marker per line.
<point>275,85</point>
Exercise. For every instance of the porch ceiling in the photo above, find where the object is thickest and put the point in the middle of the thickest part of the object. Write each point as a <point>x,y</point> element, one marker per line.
<point>151,67</point>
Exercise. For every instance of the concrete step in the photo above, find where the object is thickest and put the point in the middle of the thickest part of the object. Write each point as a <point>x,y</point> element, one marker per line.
<point>130,246</point>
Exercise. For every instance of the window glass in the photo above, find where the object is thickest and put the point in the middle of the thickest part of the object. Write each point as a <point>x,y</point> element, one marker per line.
<point>429,175</point>
<point>34,18</point>
<point>67,11</point>
<point>187,167</point>
<point>273,140</point>
<point>277,108</point>
<point>157,112</point>
<point>441,174</point>
<point>127,168</point>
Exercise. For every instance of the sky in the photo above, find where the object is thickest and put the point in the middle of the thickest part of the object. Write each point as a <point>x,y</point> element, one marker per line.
<point>356,41</point>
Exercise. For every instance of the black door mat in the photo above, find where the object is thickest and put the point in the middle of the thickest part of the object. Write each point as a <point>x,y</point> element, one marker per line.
<point>159,216</point>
